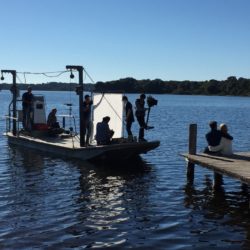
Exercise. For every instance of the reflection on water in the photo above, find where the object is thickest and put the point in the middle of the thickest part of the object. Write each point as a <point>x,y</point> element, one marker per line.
<point>93,199</point>
<point>71,204</point>
<point>218,207</point>
<point>217,201</point>
<point>53,203</point>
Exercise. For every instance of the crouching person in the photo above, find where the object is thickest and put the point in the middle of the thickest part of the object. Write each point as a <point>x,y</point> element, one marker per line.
<point>103,133</point>
<point>53,124</point>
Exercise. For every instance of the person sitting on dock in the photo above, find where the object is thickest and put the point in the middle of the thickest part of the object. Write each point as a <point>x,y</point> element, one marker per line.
<point>219,141</point>
<point>226,140</point>
<point>213,139</point>
<point>103,132</point>
<point>53,124</point>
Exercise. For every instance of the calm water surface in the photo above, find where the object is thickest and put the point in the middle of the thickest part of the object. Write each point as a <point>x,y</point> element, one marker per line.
<point>53,203</point>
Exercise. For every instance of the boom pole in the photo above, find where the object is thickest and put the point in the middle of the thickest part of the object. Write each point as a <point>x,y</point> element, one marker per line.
<point>80,93</point>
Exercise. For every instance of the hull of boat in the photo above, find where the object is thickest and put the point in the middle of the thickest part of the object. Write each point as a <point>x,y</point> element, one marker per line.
<point>68,149</point>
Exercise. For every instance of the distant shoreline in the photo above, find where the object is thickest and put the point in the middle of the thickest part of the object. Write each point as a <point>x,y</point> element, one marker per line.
<point>232,86</point>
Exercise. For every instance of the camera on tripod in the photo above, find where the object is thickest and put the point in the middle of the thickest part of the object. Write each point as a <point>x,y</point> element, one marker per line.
<point>151,101</point>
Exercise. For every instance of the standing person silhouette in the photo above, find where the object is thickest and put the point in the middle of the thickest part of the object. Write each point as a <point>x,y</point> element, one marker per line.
<point>27,103</point>
<point>129,116</point>
<point>87,103</point>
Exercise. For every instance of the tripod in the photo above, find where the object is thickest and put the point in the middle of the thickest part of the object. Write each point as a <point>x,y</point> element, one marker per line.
<point>148,127</point>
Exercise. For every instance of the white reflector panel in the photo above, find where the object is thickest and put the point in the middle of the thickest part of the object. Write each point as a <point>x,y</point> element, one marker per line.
<point>108,105</point>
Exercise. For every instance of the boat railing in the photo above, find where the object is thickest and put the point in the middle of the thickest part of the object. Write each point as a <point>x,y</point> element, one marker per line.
<point>70,117</point>
<point>8,119</point>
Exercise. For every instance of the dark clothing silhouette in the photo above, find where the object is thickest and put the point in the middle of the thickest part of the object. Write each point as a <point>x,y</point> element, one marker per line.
<point>103,133</point>
<point>213,137</point>
<point>87,121</point>
<point>140,115</point>
<point>52,120</point>
<point>129,117</point>
<point>87,110</point>
<point>27,103</point>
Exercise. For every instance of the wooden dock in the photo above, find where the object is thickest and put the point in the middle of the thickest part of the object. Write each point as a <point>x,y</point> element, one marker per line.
<point>236,166</point>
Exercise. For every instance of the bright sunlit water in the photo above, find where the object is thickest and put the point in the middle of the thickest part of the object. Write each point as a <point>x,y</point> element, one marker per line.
<point>52,203</point>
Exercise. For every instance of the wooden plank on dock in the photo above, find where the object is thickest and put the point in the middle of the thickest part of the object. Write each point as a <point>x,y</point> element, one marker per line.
<point>236,166</point>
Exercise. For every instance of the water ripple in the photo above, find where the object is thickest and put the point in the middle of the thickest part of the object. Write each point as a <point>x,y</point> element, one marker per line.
<point>51,203</point>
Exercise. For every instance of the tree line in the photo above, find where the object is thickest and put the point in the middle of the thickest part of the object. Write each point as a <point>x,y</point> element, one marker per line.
<point>231,86</point>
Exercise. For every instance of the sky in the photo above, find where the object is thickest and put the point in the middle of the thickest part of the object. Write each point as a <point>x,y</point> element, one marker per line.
<point>112,39</point>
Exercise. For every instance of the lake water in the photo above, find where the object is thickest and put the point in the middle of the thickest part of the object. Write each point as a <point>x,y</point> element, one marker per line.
<point>52,203</point>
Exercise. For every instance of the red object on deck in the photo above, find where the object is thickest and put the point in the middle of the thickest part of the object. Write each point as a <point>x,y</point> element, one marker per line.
<point>40,126</point>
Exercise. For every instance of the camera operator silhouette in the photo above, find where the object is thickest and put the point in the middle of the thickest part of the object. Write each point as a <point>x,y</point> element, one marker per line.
<point>140,114</point>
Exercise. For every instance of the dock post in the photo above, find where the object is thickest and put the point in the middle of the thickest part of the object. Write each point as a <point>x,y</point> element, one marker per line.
<point>192,139</point>
<point>63,122</point>
<point>218,181</point>
<point>192,150</point>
